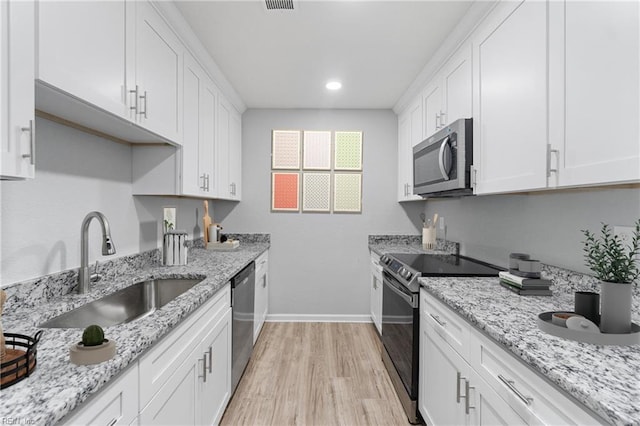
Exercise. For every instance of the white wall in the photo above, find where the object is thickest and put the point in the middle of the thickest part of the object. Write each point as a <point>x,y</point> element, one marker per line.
<point>75,174</point>
<point>319,263</point>
<point>546,224</point>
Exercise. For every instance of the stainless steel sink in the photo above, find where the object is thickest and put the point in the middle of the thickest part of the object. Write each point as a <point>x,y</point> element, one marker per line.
<point>126,305</point>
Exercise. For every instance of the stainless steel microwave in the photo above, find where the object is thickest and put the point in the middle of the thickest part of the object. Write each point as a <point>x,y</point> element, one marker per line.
<point>442,162</point>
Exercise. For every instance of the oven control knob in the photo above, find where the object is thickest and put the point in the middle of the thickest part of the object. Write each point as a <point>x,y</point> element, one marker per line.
<point>384,259</point>
<point>404,273</point>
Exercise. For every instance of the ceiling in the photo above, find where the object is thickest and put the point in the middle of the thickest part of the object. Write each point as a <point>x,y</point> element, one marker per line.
<point>282,59</point>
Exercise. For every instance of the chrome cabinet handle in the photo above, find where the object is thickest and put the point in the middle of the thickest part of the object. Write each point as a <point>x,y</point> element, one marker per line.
<point>204,181</point>
<point>135,99</point>
<point>458,378</point>
<point>207,184</point>
<point>549,152</point>
<point>437,121</point>
<point>511,385</point>
<point>144,113</point>
<point>264,282</point>
<point>210,355</point>
<point>444,168</point>
<point>32,143</point>
<point>441,323</point>
<point>204,368</point>
<point>442,122</point>
<point>112,422</point>
<point>467,404</point>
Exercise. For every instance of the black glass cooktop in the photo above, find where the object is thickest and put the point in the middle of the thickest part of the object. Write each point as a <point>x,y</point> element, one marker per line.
<point>446,265</point>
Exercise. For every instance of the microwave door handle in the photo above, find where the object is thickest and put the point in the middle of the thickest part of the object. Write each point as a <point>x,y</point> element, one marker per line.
<point>445,164</point>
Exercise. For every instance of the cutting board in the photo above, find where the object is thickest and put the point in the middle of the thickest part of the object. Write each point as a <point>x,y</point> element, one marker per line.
<point>206,222</point>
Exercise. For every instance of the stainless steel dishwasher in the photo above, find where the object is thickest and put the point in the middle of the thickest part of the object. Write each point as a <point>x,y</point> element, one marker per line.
<point>242,307</point>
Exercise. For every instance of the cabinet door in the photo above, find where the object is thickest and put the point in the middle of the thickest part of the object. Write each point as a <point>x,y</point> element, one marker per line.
<point>261,294</point>
<point>176,403</point>
<point>442,376</point>
<point>222,147</point>
<point>486,407</point>
<point>404,155</point>
<point>432,106</point>
<point>117,404</point>
<point>199,105</point>
<point>81,51</point>
<point>17,64</point>
<point>510,98</point>
<point>600,142</point>
<point>376,293</point>
<point>158,74</point>
<point>456,83</point>
<point>235,155</point>
<point>215,387</point>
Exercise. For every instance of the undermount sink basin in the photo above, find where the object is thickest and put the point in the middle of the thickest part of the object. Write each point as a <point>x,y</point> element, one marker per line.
<point>129,304</point>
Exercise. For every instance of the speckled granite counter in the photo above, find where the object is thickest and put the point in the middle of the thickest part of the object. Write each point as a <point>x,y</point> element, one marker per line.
<point>57,386</point>
<point>384,244</point>
<point>605,379</point>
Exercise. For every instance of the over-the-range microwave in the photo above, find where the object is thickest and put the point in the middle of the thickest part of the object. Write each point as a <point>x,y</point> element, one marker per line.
<point>442,162</point>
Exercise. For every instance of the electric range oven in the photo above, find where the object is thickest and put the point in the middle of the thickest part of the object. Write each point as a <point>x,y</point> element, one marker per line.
<point>401,313</point>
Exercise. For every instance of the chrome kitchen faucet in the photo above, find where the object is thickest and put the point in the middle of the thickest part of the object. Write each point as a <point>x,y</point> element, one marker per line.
<point>107,248</point>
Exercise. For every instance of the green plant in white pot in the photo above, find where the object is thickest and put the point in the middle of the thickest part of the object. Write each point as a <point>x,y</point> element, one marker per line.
<point>615,265</point>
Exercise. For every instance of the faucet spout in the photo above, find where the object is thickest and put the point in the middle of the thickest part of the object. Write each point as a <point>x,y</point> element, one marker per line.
<point>108,247</point>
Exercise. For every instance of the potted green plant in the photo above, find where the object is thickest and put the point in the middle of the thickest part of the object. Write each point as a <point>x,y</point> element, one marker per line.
<point>614,263</point>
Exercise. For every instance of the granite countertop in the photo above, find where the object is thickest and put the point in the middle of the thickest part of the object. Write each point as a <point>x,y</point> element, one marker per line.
<point>57,387</point>
<point>606,379</point>
<point>386,244</point>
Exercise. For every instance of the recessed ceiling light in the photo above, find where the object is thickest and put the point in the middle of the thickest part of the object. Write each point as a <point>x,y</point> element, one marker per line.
<point>334,85</point>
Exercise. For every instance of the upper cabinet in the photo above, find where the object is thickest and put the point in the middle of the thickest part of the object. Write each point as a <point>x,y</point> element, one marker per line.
<point>229,151</point>
<point>155,82</point>
<point>17,56</point>
<point>595,92</point>
<point>510,98</point>
<point>106,65</point>
<point>410,133</point>
<point>447,97</point>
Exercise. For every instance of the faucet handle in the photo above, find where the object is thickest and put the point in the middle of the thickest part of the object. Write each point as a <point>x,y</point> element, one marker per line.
<point>96,275</point>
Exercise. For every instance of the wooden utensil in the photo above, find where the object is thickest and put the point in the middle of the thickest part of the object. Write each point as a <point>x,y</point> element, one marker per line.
<point>435,219</point>
<point>206,221</point>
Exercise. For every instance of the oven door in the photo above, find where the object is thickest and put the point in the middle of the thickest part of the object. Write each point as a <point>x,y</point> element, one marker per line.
<point>401,331</point>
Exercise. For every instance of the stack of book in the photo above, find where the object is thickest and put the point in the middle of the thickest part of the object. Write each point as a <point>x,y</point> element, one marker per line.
<point>525,286</point>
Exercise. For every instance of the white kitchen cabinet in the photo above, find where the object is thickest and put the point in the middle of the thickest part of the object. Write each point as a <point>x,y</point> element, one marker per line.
<point>155,82</point>
<point>261,307</point>
<point>197,156</point>
<point>229,151</point>
<point>595,104</point>
<point>117,404</point>
<point>17,113</point>
<point>477,382</point>
<point>376,292</point>
<point>215,387</point>
<point>82,51</point>
<point>510,98</point>
<point>409,135</point>
<point>448,95</point>
<point>235,156</point>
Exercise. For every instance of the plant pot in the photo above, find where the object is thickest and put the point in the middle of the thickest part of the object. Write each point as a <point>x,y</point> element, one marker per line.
<point>615,307</point>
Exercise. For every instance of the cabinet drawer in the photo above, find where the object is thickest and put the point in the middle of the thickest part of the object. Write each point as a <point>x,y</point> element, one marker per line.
<point>534,399</point>
<point>157,365</point>
<point>262,263</point>
<point>453,329</point>
<point>115,405</point>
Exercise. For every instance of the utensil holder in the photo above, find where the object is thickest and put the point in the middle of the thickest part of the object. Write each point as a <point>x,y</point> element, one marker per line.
<point>429,238</point>
<point>174,248</point>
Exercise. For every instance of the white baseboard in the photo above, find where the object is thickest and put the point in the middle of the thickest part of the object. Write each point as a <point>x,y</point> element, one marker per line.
<point>317,318</point>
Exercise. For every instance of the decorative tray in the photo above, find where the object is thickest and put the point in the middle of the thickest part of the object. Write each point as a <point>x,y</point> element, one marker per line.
<point>18,364</point>
<point>227,245</point>
<point>545,324</point>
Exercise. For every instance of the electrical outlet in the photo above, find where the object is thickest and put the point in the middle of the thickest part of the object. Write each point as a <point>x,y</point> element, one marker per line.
<point>441,223</point>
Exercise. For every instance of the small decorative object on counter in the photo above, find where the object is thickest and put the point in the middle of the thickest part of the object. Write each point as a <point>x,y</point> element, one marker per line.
<point>93,349</point>
<point>19,359</point>
<point>614,263</point>
<point>215,230</point>
<point>206,223</point>
<point>429,232</point>
<point>174,248</point>
<point>587,304</point>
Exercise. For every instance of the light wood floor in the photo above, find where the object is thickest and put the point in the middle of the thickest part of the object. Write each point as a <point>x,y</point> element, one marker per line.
<point>316,374</point>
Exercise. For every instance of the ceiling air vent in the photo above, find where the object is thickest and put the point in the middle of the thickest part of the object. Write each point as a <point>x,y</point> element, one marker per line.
<point>279,4</point>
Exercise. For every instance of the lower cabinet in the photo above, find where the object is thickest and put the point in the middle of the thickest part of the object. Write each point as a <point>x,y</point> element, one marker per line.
<point>376,292</point>
<point>185,379</point>
<point>480,383</point>
<point>261,306</point>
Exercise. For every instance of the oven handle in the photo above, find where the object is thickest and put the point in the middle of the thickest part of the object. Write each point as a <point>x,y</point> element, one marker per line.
<point>407,298</point>
<point>444,163</point>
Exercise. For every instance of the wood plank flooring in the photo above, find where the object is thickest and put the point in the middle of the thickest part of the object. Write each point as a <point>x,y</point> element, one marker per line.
<point>316,374</point>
